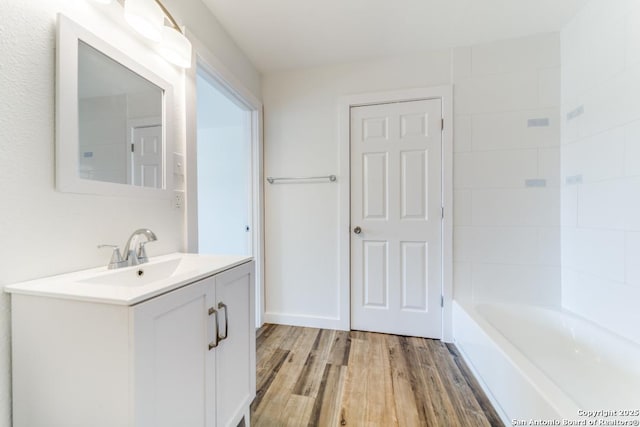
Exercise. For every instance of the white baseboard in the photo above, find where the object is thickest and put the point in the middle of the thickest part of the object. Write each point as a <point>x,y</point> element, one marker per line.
<point>303,320</point>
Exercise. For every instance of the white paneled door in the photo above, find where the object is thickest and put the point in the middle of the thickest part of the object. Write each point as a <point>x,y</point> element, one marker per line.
<point>396,220</point>
<point>147,156</point>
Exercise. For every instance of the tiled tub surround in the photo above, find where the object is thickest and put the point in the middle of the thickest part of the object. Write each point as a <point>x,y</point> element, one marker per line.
<point>601,165</point>
<point>506,171</point>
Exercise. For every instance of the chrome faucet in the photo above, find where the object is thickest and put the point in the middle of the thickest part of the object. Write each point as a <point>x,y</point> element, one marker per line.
<point>132,255</point>
<point>139,256</point>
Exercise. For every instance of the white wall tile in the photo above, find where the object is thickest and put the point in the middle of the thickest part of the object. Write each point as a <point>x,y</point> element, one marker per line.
<point>632,204</point>
<point>613,102</point>
<point>602,205</point>
<point>462,207</point>
<point>569,206</point>
<point>462,282</point>
<point>514,55</point>
<point>498,87</point>
<point>594,46</point>
<point>527,207</point>
<point>597,158</point>
<point>632,258</point>
<point>463,170</point>
<point>596,252</point>
<point>549,87</point>
<point>610,304</point>
<point>503,168</point>
<point>525,284</point>
<point>510,130</point>
<point>462,133</point>
<point>462,244</point>
<point>632,33</point>
<point>600,50</point>
<point>570,129</point>
<point>549,246</point>
<point>497,93</point>
<point>549,166</point>
<point>505,245</point>
<point>632,149</point>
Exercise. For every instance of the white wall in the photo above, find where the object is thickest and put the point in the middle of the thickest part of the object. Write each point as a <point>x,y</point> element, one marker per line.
<point>506,234</point>
<point>44,232</point>
<point>201,22</point>
<point>601,165</point>
<point>301,138</point>
<point>506,237</point>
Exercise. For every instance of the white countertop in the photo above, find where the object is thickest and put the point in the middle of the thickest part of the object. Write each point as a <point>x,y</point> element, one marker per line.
<point>93,284</point>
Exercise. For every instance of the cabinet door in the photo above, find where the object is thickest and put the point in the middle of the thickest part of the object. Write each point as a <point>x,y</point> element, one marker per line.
<point>235,363</point>
<point>173,367</point>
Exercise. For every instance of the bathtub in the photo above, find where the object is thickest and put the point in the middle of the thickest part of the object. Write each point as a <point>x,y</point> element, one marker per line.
<point>544,364</point>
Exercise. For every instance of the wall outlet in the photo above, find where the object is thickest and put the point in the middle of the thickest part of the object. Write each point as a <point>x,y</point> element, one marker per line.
<point>178,199</point>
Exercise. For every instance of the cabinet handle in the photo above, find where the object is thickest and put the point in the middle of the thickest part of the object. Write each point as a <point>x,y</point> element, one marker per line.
<point>214,312</point>
<point>222,305</point>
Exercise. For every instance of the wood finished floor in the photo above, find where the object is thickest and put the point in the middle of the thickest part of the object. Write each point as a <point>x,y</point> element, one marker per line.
<point>318,377</point>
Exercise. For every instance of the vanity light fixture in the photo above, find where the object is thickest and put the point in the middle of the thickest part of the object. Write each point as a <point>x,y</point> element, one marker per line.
<point>147,17</point>
<point>175,47</point>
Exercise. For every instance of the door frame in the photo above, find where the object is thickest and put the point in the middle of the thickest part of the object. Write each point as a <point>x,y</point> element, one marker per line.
<point>445,95</point>
<point>205,59</point>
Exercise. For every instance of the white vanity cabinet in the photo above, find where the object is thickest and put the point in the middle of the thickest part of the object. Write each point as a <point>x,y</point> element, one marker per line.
<point>185,358</point>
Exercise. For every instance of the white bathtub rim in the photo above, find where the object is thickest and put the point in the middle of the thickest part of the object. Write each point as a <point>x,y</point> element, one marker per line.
<point>550,392</point>
<point>606,334</point>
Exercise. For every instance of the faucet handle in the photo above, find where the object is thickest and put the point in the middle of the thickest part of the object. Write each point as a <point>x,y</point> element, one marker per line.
<point>142,253</point>
<point>116,258</point>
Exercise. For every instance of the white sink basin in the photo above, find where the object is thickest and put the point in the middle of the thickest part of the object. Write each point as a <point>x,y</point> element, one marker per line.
<point>139,275</point>
<point>130,285</point>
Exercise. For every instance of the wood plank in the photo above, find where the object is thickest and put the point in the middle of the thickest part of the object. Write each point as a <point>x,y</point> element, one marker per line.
<point>462,399</point>
<point>299,410</point>
<point>264,332</point>
<point>406,386</point>
<point>326,411</point>
<point>439,401</point>
<point>368,385</point>
<point>340,349</point>
<point>266,376</point>
<point>354,404</point>
<point>267,348</point>
<point>309,381</point>
<point>324,378</point>
<point>298,343</point>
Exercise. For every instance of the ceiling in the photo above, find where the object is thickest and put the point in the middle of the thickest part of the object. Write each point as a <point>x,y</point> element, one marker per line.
<point>284,34</point>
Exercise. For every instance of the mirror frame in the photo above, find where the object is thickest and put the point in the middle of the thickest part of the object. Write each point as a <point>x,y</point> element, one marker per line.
<point>68,180</point>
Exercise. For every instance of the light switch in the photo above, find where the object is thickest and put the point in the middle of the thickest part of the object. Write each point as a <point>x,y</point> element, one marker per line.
<point>178,164</point>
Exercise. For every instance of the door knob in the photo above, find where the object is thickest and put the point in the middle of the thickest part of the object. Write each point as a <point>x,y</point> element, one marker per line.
<point>357,230</point>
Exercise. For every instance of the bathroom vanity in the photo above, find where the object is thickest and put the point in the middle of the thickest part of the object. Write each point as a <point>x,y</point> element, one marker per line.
<point>168,343</point>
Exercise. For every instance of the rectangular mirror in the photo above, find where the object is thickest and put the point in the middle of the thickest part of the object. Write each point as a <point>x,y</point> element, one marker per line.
<point>112,119</point>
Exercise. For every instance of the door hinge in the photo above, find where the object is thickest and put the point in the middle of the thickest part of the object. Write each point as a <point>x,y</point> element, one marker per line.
<point>441,124</point>
<point>442,212</point>
<point>133,149</point>
<point>441,300</point>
